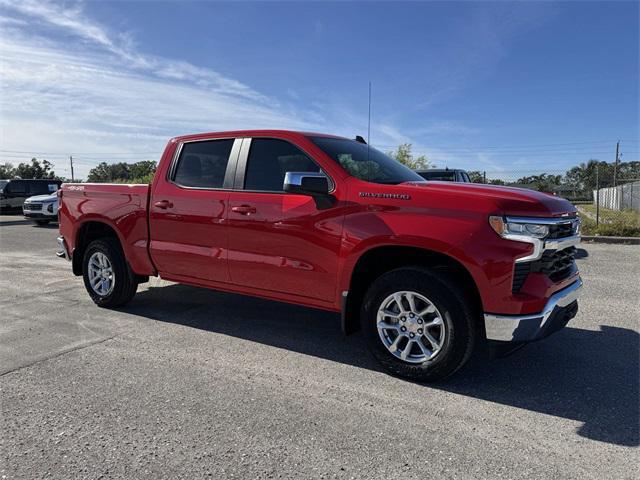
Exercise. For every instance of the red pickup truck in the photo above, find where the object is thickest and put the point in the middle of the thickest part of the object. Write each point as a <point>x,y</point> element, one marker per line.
<point>427,269</point>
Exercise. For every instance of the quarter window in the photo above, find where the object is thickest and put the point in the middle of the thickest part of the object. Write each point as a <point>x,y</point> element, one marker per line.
<point>270,159</point>
<point>203,164</point>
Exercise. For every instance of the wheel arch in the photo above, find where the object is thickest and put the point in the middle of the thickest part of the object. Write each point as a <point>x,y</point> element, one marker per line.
<point>381,259</point>
<point>87,232</point>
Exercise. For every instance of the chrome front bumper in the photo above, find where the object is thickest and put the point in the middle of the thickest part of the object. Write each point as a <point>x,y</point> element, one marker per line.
<point>525,328</point>
<point>62,252</point>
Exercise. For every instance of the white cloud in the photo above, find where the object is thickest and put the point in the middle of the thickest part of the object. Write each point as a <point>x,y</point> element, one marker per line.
<point>70,85</point>
<point>105,97</point>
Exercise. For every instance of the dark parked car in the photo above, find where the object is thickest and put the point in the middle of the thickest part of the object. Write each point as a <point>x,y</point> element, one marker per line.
<point>13,193</point>
<point>445,175</point>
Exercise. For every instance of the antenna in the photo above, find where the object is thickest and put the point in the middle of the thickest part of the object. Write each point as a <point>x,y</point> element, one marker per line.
<point>369,125</point>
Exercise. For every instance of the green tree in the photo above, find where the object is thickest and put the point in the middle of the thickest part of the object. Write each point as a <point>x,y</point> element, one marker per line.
<point>585,176</point>
<point>543,182</point>
<point>140,172</point>
<point>404,155</point>
<point>35,169</point>
<point>7,171</point>
<point>143,170</point>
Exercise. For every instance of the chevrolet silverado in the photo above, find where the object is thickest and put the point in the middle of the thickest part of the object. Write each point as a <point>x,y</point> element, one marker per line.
<point>427,269</point>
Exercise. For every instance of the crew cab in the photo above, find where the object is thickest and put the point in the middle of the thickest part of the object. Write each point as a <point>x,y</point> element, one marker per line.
<point>428,270</point>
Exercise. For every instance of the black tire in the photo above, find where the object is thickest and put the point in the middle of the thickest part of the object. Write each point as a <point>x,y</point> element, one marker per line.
<point>455,309</point>
<point>42,222</point>
<point>125,285</point>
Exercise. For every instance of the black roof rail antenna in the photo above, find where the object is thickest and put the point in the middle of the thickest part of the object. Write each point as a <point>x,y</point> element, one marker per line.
<point>359,139</point>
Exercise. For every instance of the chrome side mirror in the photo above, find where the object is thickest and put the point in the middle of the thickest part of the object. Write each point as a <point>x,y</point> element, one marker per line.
<point>306,183</point>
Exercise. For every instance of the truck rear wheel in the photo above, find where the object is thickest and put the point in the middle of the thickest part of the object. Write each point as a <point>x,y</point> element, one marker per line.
<point>418,323</point>
<point>107,276</point>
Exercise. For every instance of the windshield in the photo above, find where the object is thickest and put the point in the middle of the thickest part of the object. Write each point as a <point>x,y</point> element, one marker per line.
<point>364,162</point>
<point>443,176</point>
<point>3,183</point>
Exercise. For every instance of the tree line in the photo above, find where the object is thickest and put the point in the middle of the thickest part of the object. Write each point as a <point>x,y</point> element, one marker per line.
<point>34,169</point>
<point>578,181</point>
<point>139,172</point>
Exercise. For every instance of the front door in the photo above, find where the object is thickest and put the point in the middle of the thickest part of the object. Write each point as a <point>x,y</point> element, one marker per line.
<point>187,212</point>
<point>280,242</point>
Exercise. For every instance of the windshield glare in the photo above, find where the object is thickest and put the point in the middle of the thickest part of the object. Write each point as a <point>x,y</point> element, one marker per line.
<point>364,162</point>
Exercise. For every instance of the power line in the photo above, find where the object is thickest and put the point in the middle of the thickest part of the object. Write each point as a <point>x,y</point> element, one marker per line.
<point>524,150</point>
<point>539,145</point>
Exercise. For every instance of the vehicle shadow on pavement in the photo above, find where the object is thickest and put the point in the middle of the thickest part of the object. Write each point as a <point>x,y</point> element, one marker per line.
<point>583,375</point>
<point>9,223</point>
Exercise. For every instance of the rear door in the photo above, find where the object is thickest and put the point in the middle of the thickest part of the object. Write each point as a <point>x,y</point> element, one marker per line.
<point>187,211</point>
<point>280,242</point>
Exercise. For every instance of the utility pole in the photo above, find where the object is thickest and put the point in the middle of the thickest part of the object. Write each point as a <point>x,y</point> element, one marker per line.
<point>615,165</point>
<point>71,161</point>
<point>597,197</point>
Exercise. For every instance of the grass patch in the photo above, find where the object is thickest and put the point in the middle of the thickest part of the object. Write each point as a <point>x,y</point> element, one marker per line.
<point>612,223</point>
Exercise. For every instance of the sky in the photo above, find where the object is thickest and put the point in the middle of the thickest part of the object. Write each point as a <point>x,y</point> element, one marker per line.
<point>508,87</point>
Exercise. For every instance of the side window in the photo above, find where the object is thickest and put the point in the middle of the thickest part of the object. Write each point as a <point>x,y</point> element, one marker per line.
<point>18,187</point>
<point>38,188</point>
<point>269,160</point>
<point>203,164</point>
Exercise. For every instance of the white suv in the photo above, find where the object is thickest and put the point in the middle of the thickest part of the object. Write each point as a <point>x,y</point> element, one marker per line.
<point>41,208</point>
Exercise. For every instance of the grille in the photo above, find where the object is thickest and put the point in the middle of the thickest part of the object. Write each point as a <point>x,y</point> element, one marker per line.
<point>33,206</point>
<point>557,265</point>
<point>561,230</point>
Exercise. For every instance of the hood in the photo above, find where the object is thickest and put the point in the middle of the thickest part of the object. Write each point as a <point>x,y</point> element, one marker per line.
<point>51,197</point>
<point>505,200</point>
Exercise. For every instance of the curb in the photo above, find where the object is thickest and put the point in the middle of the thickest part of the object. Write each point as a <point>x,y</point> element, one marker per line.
<point>614,240</point>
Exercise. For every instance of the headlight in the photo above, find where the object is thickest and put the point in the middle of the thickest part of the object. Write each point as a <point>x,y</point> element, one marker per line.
<point>522,229</point>
<point>50,208</point>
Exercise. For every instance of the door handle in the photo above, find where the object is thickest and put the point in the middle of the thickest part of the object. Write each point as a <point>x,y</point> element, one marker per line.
<point>244,209</point>
<point>164,204</point>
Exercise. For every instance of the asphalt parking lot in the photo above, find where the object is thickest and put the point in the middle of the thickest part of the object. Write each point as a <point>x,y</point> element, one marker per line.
<point>190,383</point>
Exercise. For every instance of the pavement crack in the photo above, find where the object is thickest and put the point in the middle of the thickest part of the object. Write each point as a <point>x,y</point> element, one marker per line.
<point>57,354</point>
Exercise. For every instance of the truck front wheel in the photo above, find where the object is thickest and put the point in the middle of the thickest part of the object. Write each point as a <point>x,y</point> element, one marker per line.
<point>107,276</point>
<point>418,323</point>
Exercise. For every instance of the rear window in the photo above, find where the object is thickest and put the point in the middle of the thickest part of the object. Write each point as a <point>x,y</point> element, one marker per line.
<point>203,164</point>
<point>441,176</point>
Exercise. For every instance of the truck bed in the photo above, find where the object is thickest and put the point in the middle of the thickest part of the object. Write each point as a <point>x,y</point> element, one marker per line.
<point>122,206</point>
